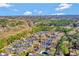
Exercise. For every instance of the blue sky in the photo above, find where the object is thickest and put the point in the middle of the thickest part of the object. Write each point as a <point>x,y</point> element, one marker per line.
<point>19,9</point>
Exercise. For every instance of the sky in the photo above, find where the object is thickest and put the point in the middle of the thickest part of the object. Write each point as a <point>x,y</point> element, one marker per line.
<point>23,9</point>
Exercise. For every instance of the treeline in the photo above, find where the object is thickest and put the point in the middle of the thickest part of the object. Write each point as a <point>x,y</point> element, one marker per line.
<point>56,22</point>
<point>61,22</point>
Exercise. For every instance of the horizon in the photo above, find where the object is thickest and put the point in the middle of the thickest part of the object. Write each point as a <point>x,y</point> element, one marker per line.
<point>35,15</point>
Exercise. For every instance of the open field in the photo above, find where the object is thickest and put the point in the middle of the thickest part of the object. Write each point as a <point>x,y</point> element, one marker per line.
<point>39,35</point>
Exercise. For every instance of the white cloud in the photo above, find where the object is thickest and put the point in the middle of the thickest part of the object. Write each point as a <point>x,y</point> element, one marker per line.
<point>63,6</point>
<point>58,14</point>
<point>40,12</point>
<point>4,5</point>
<point>15,10</point>
<point>28,13</point>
